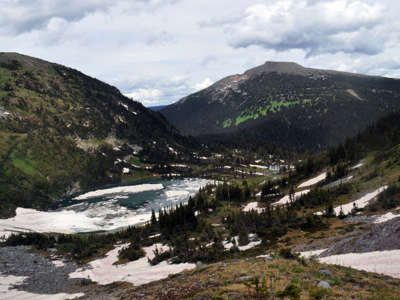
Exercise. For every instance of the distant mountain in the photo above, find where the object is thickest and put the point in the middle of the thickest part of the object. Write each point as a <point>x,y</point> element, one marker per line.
<point>157,108</point>
<point>62,131</point>
<point>286,104</point>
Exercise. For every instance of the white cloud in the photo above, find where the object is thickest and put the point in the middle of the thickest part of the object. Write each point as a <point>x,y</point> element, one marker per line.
<point>146,96</point>
<point>202,85</point>
<point>314,26</point>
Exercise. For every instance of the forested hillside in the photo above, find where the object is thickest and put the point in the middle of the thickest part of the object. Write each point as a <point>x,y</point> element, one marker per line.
<point>62,131</point>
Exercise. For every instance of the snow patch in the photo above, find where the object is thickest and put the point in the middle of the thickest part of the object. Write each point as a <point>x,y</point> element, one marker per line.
<point>176,195</point>
<point>137,272</point>
<point>382,262</point>
<point>121,189</point>
<point>172,150</point>
<point>386,217</point>
<point>252,206</point>
<point>8,292</point>
<point>313,181</point>
<point>259,166</point>
<point>360,203</point>
<point>179,166</point>
<point>354,94</point>
<point>311,253</point>
<point>253,242</point>
<point>359,165</point>
<point>286,199</point>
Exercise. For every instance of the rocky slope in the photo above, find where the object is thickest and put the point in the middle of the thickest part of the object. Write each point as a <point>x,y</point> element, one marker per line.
<point>61,131</point>
<point>286,104</point>
<point>381,237</point>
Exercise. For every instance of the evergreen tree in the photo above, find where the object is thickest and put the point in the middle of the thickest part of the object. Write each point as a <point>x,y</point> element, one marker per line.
<point>243,236</point>
<point>153,217</point>
<point>341,213</point>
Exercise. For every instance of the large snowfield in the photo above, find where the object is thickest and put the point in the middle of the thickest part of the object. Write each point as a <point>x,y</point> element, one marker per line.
<point>106,214</point>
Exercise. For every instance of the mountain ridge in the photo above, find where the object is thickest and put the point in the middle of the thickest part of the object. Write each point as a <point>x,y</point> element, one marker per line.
<point>281,96</point>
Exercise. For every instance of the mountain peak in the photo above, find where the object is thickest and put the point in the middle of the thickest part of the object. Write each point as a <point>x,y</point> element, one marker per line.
<point>278,67</point>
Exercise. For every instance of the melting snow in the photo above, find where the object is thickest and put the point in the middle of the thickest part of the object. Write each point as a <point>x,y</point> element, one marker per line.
<point>259,166</point>
<point>383,262</point>
<point>313,181</point>
<point>8,292</point>
<point>69,221</point>
<point>137,272</point>
<point>359,165</point>
<point>252,206</point>
<point>98,215</point>
<point>308,254</point>
<point>253,242</point>
<point>179,165</point>
<point>286,199</point>
<point>386,217</point>
<point>360,203</point>
<point>172,150</point>
<point>121,189</point>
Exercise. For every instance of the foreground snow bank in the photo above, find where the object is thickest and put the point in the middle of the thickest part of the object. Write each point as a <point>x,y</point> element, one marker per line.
<point>137,272</point>
<point>313,181</point>
<point>383,262</point>
<point>8,292</point>
<point>121,190</point>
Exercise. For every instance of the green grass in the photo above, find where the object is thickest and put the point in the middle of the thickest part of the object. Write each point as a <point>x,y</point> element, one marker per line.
<point>244,118</point>
<point>24,165</point>
<point>135,160</point>
<point>227,123</point>
<point>137,175</point>
<point>253,113</point>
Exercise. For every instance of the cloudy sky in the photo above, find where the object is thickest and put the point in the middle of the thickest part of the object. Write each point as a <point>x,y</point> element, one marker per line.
<point>157,51</point>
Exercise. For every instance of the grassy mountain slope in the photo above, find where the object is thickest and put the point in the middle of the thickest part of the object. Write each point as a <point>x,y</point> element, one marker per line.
<point>287,104</point>
<point>61,130</point>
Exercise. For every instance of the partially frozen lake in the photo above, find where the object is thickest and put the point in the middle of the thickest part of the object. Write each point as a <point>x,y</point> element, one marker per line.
<point>105,209</point>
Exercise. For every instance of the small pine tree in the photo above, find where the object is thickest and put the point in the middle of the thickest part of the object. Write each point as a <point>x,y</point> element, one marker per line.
<point>330,212</point>
<point>341,213</point>
<point>291,194</point>
<point>243,236</point>
<point>153,217</point>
